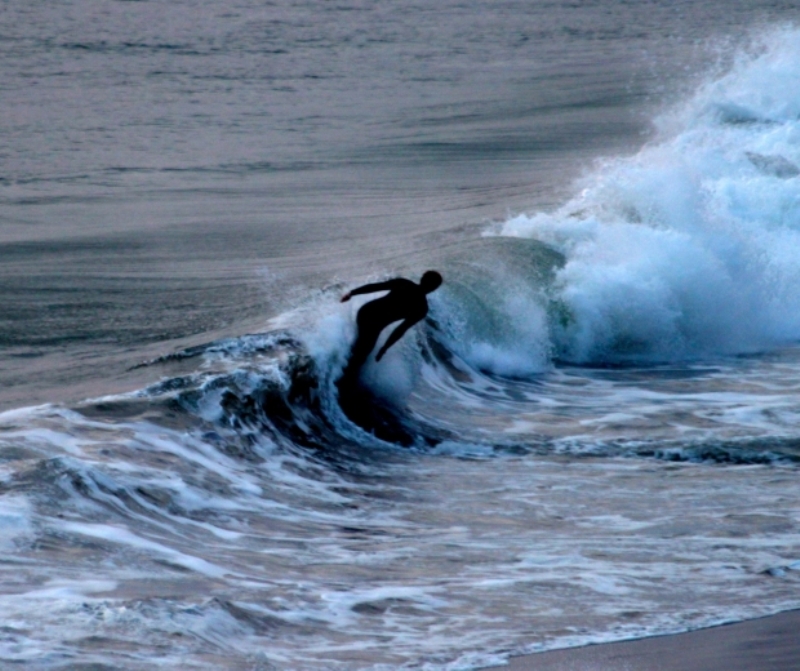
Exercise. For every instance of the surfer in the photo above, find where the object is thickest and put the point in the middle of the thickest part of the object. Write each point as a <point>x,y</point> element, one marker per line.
<point>406,300</point>
<point>407,303</point>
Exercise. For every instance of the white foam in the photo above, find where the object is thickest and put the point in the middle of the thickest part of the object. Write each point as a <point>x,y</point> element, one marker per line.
<point>16,515</point>
<point>523,349</point>
<point>692,246</point>
<point>63,589</point>
<point>115,534</point>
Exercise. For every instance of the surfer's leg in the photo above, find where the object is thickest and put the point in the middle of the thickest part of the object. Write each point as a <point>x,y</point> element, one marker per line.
<point>348,382</point>
<point>363,346</point>
<point>370,321</point>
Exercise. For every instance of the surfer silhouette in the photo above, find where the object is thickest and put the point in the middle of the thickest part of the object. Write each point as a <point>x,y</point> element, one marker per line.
<point>405,301</point>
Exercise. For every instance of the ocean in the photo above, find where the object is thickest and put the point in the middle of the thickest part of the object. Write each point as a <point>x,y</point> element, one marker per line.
<point>600,416</point>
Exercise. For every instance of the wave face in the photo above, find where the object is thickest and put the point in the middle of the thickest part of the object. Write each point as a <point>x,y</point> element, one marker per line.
<point>688,248</point>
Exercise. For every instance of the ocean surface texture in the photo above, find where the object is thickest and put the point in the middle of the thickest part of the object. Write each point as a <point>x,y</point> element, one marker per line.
<point>603,405</point>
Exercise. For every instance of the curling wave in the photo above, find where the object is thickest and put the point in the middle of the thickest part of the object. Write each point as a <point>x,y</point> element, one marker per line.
<point>688,248</point>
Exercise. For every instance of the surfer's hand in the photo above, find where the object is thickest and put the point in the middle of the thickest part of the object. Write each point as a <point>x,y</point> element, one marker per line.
<point>380,354</point>
<point>346,297</point>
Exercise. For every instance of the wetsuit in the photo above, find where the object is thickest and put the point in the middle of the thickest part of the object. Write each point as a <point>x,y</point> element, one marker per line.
<point>406,300</point>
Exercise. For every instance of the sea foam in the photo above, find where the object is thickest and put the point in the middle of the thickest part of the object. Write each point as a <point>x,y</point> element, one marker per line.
<point>690,247</point>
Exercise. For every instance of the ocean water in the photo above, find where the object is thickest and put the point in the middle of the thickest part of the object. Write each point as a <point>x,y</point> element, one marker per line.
<point>603,405</point>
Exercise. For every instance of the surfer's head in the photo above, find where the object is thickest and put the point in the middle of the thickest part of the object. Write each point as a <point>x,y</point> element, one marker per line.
<point>430,281</point>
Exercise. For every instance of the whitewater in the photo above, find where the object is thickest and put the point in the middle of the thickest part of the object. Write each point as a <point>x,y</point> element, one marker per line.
<point>604,405</point>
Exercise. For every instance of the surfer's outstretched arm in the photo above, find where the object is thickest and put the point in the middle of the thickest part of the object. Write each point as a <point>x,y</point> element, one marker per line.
<point>395,336</point>
<point>369,289</point>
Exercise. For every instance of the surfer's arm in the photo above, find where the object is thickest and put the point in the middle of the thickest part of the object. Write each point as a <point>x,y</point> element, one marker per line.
<point>369,289</point>
<point>395,336</point>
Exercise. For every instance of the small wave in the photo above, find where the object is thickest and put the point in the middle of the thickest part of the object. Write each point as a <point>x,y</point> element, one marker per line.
<point>743,452</point>
<point>269,384</point>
